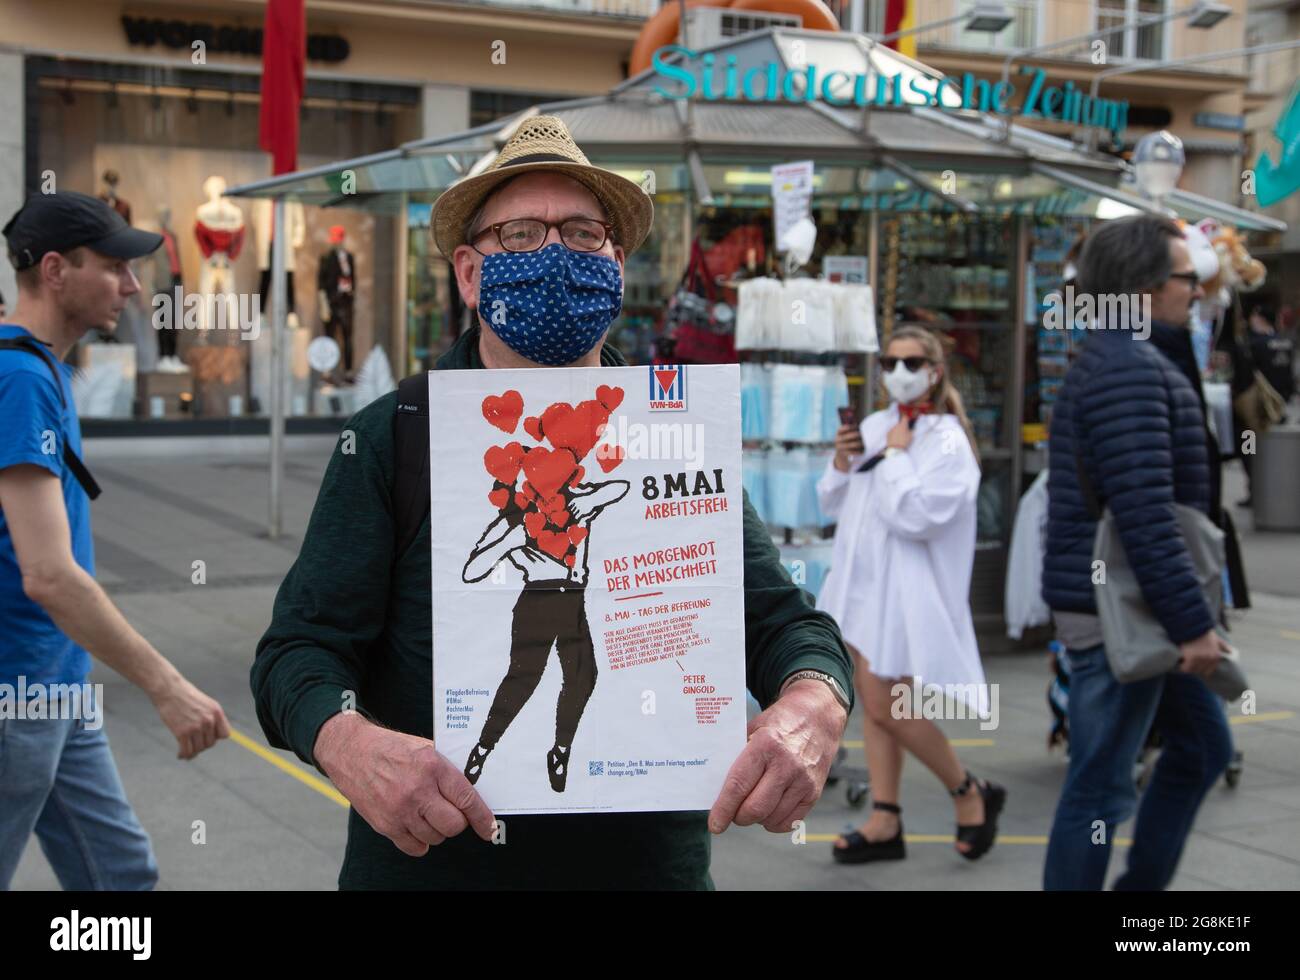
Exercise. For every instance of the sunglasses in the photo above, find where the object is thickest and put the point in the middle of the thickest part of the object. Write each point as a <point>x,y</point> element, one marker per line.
<point>911,363</point>
<point>1192,278</point>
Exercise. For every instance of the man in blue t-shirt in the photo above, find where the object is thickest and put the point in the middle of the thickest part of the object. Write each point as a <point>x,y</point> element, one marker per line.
<point>71,254</point>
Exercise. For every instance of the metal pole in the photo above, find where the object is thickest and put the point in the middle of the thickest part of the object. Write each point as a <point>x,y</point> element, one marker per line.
<point>278,307</point>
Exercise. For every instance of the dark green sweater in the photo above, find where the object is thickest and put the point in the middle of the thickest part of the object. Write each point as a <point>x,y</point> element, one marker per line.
<point>349,617</point>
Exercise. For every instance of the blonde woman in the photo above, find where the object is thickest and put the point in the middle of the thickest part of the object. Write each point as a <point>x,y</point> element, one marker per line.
<point>902,488</point>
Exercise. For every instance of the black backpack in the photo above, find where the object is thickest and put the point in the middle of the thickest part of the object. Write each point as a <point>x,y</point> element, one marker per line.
<point>72,460</point>
<point>411,465</point>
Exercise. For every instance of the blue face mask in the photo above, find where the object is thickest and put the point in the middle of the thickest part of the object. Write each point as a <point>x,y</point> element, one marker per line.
<point>551,306</point>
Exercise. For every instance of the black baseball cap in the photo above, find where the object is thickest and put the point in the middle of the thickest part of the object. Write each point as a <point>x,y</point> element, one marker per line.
<point>66,220</point>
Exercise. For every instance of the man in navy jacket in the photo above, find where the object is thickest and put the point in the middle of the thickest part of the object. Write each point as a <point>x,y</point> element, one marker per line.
<point>1138,429</point>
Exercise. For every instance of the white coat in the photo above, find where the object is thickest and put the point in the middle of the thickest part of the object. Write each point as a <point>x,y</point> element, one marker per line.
<point>899,584</point>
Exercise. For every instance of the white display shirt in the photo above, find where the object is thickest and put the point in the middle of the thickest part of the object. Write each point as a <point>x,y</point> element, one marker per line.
<point>899,584</point>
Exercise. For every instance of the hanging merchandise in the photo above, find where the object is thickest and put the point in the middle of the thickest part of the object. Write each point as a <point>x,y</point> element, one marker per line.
<point>700,326</point>
<point>807,316</point>
<point>742,247</point>
<point>758,314</point>
<point>811,315</point>
<point>753,477</point>
<point>755,400</point>
<point>835,395</point>
<point>791,490</point>
<point>1023,601</point>
<point>796,403</point>
<point>855,318</point>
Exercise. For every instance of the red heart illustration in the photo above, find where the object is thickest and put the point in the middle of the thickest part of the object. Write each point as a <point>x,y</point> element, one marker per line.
<point>499,497</point>
<point>578,474</point>
<point>503,462</point>
<point>533,426</point>
<point>574,429</point>
<point>611,398</point>
<point>521,501</point>
<point>560,517</point>
<point>553,543</point>
<point>533,523</point>
<point>570,559</point>
<point>548,470</point>
<point>610,458</point>
<point>576,534</point>
<point>504,410</point>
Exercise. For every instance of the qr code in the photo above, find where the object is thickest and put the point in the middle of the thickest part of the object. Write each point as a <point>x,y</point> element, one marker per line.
<point>595,768</point>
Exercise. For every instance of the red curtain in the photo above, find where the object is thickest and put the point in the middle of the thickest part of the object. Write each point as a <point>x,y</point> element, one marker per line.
<point>284,52</point>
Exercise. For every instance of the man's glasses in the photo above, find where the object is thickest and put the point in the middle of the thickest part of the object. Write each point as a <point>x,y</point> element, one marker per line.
<point>1192,278</point>
<point>911,363</point>
<point>529,234</point>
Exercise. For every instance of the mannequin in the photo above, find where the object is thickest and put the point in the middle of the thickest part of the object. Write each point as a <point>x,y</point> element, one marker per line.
<point>109,195</point>
<point>219,228</point>
<point>335,281</point>
<point>263,226</point>
<point>165,264</point>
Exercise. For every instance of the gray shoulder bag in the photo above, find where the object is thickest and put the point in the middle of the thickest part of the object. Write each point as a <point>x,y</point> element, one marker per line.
<point>1137,646</point>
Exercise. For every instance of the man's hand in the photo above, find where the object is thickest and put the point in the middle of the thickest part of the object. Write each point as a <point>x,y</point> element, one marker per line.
<point>194,718</point>
<point>400,784</point>
<point>900,436</point>
<point>848,443</point>
<point>1201,656</point>
<point>782,770</point>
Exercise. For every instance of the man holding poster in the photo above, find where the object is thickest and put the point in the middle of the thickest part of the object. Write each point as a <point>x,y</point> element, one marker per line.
<point>344,673</point>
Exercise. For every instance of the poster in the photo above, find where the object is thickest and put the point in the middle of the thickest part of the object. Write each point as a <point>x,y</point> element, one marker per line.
<point>792,188</point>
<point>845,268</point>
<point>588,605</point>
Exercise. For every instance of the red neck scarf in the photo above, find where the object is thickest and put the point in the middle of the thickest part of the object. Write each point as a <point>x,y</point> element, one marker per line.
<point>915,410</point>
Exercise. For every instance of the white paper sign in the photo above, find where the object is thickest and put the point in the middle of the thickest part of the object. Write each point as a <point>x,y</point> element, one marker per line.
<point>588,605</point>
<point>792,187</point>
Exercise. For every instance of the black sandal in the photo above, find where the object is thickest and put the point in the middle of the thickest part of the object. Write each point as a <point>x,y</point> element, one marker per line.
<point>980,836</point>
<point>860,850</point>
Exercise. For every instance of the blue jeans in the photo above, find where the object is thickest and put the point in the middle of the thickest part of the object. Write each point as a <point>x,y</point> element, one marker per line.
<point>57,778</point>
<point>1109,722</point>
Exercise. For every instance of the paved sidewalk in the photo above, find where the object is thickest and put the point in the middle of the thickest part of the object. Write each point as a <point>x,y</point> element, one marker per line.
<point>270,823</point>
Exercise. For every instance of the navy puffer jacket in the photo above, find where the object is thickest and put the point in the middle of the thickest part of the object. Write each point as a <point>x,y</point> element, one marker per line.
<point>1140,429</point>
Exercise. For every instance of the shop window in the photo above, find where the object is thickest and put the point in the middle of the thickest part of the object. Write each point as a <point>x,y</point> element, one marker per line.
<point>162,145</point>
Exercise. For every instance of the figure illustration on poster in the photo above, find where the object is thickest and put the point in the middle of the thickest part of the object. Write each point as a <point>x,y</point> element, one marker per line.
<point>543,529</point>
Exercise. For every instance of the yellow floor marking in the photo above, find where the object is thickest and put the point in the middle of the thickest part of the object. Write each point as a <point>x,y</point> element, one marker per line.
<point>1266,716</point>
<point>948,839</point>
<point>960,743</point>
<point>298,773</point>
<point>1291,634</point>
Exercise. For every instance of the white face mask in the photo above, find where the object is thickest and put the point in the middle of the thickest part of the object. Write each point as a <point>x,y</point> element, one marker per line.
<point>907,386</point>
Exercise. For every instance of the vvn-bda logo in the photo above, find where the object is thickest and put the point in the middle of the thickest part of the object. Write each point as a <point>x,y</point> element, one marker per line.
<point>667,387</point>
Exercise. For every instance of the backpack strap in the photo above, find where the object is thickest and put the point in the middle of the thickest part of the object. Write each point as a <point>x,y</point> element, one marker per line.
<point>70,459</point>
<point>411,465</point>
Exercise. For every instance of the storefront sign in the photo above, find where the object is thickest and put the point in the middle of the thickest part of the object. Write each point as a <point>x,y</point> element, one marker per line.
<point>224,39</point>
<point>697,76</point>
<point>1220,120</point>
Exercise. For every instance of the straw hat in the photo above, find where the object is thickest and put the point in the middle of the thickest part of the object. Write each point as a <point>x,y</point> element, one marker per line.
<point>543,143</point>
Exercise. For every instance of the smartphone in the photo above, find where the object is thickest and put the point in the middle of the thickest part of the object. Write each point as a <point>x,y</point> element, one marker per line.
<point>848,416</point>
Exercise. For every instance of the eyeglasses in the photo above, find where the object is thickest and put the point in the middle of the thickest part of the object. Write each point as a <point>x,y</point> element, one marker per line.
<point>529,234</point>
<point>911,363</point>
<point>1192,278</point>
